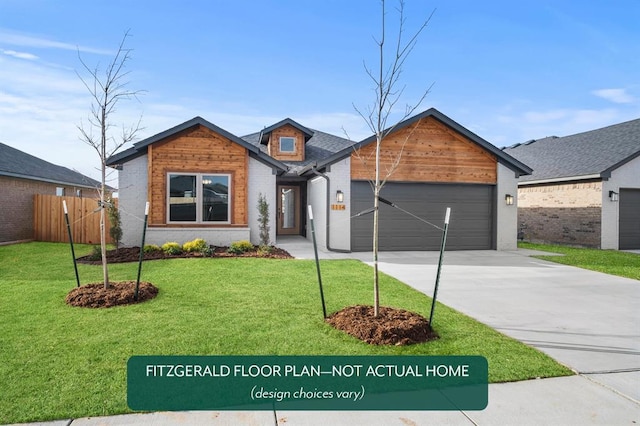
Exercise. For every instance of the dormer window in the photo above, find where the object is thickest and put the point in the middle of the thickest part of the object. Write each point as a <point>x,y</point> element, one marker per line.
<point>287,144</point>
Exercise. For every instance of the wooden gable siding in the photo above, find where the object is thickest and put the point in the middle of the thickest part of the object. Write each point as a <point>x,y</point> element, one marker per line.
<point>433,152</point>
<point>197,150</point>
<point>274,143</point>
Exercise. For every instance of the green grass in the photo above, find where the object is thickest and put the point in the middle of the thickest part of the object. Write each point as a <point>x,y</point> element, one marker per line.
<point>612,262</point>
<point>58,361</point>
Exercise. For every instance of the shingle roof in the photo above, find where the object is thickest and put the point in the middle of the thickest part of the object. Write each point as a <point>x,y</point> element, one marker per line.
<point>595,153</point>
<point>16,163</point>
<point>319,147</point>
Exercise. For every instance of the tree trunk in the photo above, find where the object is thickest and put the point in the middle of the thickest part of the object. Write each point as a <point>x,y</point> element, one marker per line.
<point>376,205</point>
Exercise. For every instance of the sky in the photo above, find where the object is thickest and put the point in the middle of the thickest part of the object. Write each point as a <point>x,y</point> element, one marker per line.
<point>508,71</point>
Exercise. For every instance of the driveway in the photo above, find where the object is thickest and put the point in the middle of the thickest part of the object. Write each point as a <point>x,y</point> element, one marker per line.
<point>587,320</point>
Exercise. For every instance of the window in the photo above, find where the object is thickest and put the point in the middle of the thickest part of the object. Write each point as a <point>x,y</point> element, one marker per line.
<point>60,191</point>
<point>287,144</point>
<point>198,198</point>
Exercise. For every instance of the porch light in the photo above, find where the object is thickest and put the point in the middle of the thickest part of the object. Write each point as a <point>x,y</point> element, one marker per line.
<point>508,199</point>
<point>339,196</point>
<point>613,196</point>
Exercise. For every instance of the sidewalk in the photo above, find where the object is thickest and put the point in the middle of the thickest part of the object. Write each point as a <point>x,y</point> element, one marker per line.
<point>609,397</point>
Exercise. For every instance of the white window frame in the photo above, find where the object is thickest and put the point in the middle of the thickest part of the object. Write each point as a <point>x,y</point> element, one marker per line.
<point>199,199</point>
<point>293,150</point>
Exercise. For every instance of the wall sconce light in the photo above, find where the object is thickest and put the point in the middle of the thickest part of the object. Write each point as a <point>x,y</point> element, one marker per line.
<point>613,196</point>
<point>508,199</point>
<point>339,196</point>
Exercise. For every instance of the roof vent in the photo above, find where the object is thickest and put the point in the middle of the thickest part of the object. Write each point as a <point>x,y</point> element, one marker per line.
<point>529,142</point>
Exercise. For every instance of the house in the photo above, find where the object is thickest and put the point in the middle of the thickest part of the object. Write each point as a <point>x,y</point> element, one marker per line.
<point>21,177</point>
<point>203,182</point>
<point>585,188</point>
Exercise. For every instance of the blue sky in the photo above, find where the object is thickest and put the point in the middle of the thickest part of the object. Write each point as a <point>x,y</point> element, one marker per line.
<point>508,71</point>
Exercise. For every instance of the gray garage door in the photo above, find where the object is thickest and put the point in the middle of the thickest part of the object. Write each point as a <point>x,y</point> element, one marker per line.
<point>629,219</point>
<point>471,226</point>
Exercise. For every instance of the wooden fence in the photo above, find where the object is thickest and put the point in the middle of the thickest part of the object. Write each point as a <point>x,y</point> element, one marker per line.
<point>49,223</point>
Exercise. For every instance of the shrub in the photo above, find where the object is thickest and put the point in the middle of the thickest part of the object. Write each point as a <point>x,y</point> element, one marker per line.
<point>240,247</point>
<point>115,230</point>
<point>172,248</point>
<point>263,220</point>
<point>96,253</point>
<point>264,251</point>
<point>151,248</point>
<point>198,245</point>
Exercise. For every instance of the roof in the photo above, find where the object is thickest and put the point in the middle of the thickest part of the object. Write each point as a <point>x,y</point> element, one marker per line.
<point>140,148</point>
<point>517,166</point>
<point>264,135</point>
<point>15,163</point>
<point>321,149</point>
<point>588,155</point>
<point>318,148</point>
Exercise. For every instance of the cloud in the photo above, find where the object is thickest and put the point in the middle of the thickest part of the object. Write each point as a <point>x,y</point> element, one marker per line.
<point>618,96</point>
<point>19,55</point>
<point>16,39</point>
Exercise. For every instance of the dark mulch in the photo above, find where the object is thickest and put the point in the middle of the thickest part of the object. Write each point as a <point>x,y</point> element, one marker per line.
<point>391,326</point>
<point>118,293</point>
<point>132,254</point>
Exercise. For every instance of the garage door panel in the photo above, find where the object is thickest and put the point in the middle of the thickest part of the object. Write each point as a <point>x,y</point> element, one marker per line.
<point>629,223</point>
<point>471,217</point>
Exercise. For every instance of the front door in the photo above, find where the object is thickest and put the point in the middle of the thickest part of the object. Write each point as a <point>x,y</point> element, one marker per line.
<point>288,210</point>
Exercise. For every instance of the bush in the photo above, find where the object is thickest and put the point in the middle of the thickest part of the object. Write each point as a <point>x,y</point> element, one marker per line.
<point>264,251</point>
<point>240,247</point>
<point>151,248</point>
<point>172,248</point>
<point>96,253</point>
<point>198,245</point>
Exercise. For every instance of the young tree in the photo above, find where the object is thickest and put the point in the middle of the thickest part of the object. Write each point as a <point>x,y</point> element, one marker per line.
<point>107,88</point>
<point>386,79</point>
<point>263,220</point>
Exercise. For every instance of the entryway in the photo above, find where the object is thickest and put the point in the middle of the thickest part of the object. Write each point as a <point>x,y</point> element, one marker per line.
<point>288,210</point>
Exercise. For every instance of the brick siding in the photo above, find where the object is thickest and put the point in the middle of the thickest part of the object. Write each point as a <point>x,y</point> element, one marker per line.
<point>562,213</point>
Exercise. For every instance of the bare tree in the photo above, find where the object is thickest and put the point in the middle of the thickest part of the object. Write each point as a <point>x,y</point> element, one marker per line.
<point>107,88</point>
<point>386,78</point>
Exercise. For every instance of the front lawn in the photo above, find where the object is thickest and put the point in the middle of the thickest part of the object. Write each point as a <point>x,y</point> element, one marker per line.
<point>60,362</point>
<point>612,262</point>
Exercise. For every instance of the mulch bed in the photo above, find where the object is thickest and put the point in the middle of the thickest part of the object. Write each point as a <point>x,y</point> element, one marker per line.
<point>118,293</point>
<point>391,326</point>
<point>132,254</point>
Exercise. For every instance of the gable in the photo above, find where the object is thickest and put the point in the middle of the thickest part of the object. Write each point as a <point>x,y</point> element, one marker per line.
<point>286,131</point>
<point>431,152</point>
<point>197,149</point>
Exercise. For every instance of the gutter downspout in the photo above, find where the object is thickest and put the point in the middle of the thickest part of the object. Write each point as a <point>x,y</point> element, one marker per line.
<point>328,222</point>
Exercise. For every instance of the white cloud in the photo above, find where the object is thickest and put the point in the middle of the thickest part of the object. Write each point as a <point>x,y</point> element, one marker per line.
<point>16,39</point>
<point>19,55</point>
<point>618,96</point>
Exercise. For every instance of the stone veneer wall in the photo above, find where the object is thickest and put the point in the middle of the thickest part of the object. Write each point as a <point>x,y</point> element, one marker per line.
<point>569,213</point>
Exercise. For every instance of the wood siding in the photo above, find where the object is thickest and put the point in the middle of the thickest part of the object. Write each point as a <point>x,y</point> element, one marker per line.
<point>49,223</point>
<point>197,150</point>
<point>432,152</point>
<point>274,144</point>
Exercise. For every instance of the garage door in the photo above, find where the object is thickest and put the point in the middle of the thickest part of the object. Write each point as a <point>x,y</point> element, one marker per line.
<point>471,226</point>
<point>629,237</point>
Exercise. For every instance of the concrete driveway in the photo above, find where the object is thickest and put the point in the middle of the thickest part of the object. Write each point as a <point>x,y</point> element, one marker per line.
<point>587,320</point>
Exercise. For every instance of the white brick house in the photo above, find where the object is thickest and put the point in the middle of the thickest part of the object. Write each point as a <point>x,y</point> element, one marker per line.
<point>204,182</point>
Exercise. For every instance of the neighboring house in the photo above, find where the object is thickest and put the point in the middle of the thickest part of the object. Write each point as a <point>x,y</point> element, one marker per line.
<point>204,182</point>
<point>21,177</point>
<point>585,188</point>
